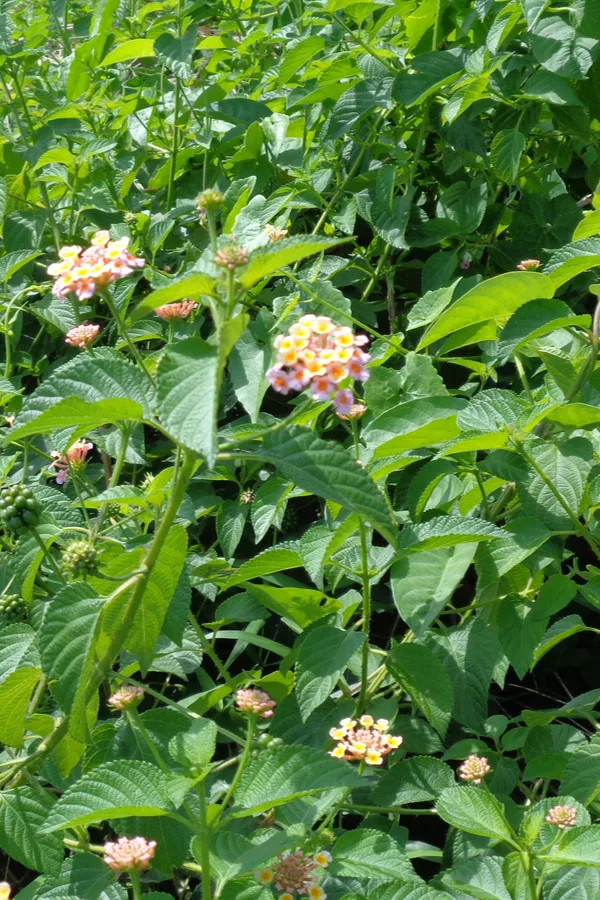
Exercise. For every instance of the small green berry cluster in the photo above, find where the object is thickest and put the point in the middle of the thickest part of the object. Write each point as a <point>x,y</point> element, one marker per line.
<point>79,558</point>
<point>12,608</point>
<point>18,507</point>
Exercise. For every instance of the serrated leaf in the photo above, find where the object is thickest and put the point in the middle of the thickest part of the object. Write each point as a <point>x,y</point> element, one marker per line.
<point>581,778</point>
<point>82,876</point>
<point>506,152</point>
<point>196,746</point>
<point>573,259</point>
<point>367,853</point>
<point>519,633</point>
<point>476,811</point>
<point>327,470</point>
<point>422,583</point>
<point>554,486</point>
<point>276,559</point>
<point>422,676</point>
<point>286,773</point>
<point>18,649</point>
<point>323,656</point>
<point>113,790</point>
<point>579,846</point>
<point>413,781</point>
<point>188,395</point>
<point>23,811</point>
<point>283,253</point>
<point>73,412</point>
<point>15,694</point>
<point>136,49</point>
<point>302,605</point>
<point>67,644</point>
<point>446,531</point>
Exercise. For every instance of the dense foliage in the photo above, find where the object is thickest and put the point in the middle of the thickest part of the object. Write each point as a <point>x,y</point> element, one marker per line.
<point>300,462</point>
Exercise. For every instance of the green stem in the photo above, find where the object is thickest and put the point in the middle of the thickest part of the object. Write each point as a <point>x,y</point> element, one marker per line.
<point>370,50</point>
<point>208,648</point>
<point>121,328</point>
<point>115,475</point>
<point>174,145</point>
<point>53,564</point>
<point>251,728</point>
<point>528,866</point>
<point>212,230</point>
<point>364,677</point>
<point>136,884</point>
<point>204,843</point>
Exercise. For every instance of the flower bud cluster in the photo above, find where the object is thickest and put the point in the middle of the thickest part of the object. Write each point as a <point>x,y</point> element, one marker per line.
<point>129,854</point>
<point>173,311</point>
<point>250,700</point>
<point>474,769</point>
<point>562,816</point>
<point>82,336</point>
<point>75,459</point>
<point>296,873</point>
<point>128,696</point>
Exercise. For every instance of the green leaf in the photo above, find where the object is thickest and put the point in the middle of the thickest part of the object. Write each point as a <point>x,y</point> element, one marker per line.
<point>432,72</point>
<point>553,89</point>
<point>18,649</point>
<point>15,694</point>
<point>560,49</point>
<point>231,519</point>
<point>352,105</point>
<point>367,853</point>
<point>276,559</point>
<point>492,410</point>
<point>573,259</point>
<point>581,778</point>
<point>464,204</point>
<point>196,746</point>
<point>475,811</point>
<point>247,366</point>
<point>190,287</point>
<point>282,774</point>
<point>519,633</point>
<point>283,253</point>
<point>112,790</point>
<point>413,781</point>
<point>481,878</point>
<point>422,583</point>
<point>574,883</point>
<point>188,395</point>
<point>446,531</point>
<point>589,226</point>
<point>533,321</point>
<point>73,412</point>
<point>579,846</point>
<point>554,489</point>
<point>494,299</point>
<point>12,262</point>
<point>148,622</point>
<point>82,876</point>
<point>422,676</point>
<point>302,605</point>
<point>323,656</point>
<point>136,49</point>
<point>326,469</point>
<point>23,812</point>
<point>417,423</point>
<point>67,643</point>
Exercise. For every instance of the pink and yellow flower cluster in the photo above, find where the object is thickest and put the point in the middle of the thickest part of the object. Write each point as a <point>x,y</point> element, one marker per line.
<point>85,272</point>
<point>318,353</point>
<point>75,459</point>
<point>369,741</point>
<point>296,873</point>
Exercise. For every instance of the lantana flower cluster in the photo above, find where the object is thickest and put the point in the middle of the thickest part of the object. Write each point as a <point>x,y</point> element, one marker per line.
<point>129,854</point>
<point>85,272</point>
<point>474,769</point>
<point>82,336</point>
<point>75,459</point>
<point>298,873</point>
<point>255,702</point>
<point>4,890</point>
<point>562,816</point>
<point>128,696</point>
<point>366,739</point>
<point>319,353</point>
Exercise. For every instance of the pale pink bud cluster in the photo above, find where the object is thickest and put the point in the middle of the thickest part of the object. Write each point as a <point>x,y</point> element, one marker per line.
<point>75,459</point>
<point>250,700</point>
<point>274,233</point>
<point>474,769</point>
<point>85,272</point>
<point>296,873</point>
<point>4,890</point>
<point>317,352</point>
<point>82,336</point>
<point>128,854</point>
<point>126,697</point>
<point>529,265</point>
<point>366,739</point>
<point>562,816</point>
<point>231,257</point>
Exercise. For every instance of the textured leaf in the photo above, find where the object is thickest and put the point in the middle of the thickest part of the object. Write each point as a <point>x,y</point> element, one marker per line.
<point>188,395</point>
<point>190,287</point>
<point>446,531</point>
<point>283,253</point>
<point>413,781</point>
<point>579,846</point>
<point>196,746</point>
<point>327,470</point>
<point>276,559</point>
<point>366,853</point>
<point>322,658</point>
<point>573,259</point>
<point>519,633</point>
<point>83,876</point>
<point>112,790</point>
<point>507,149</point>
<point>23,812</point>
<point>581,778</point>
<point>475,811</point>
<point>481,878</point>
<point>15,694</point>
<point>18,648</point>
<point>302,605</point>
<point>423,677</point>
<point>553,490</point>
<point>285,773</point>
